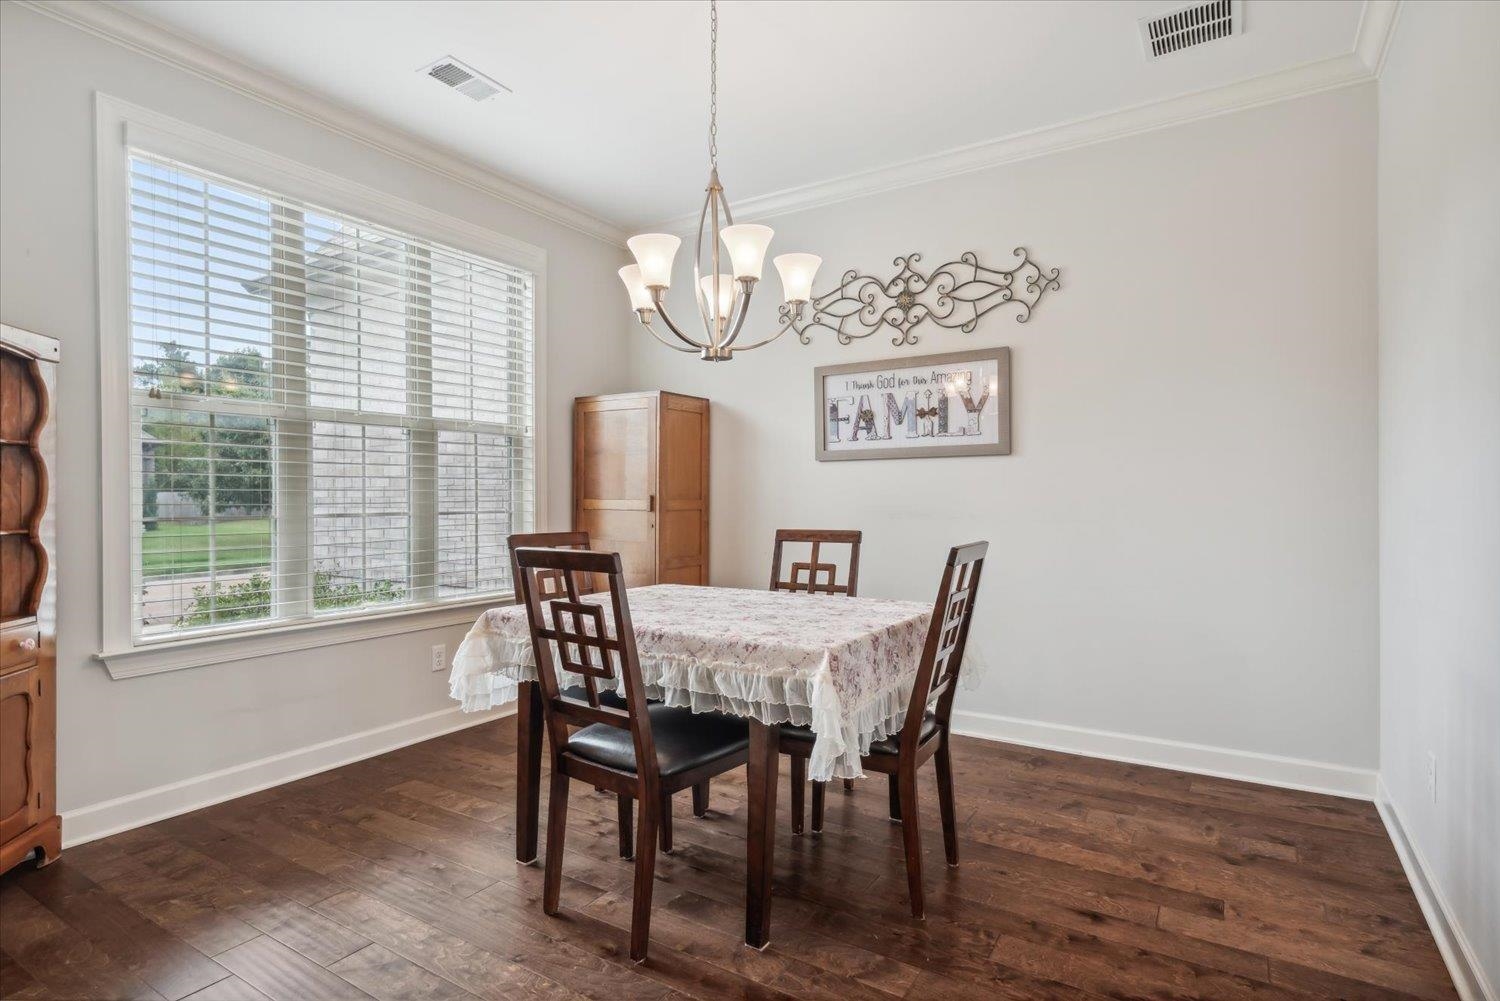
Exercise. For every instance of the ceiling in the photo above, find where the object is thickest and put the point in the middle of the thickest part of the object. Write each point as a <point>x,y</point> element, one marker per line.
<point>609,103</point>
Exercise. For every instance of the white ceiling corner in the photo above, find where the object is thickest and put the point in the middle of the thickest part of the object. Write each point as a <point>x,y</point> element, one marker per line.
<point>1377,24</point>
<point>605,133</point>
<point>114,22</point>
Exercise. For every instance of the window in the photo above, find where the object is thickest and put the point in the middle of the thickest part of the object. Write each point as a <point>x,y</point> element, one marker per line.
<point>327,417</point>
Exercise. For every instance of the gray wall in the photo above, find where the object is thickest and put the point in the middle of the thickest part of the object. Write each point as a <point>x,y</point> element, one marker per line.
<point>1184,540</point>
<point>1440,453</point>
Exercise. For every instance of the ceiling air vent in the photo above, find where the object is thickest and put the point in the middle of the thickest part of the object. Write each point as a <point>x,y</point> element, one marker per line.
<point>1189,26</point>
<point>467,80</point>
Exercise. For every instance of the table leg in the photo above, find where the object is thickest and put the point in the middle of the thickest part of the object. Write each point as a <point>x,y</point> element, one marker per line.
<point>528,768</point>
<point>761,836</point>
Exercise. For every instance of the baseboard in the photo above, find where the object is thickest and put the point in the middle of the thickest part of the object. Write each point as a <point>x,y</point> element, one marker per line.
<point>1463,964</point>
<point>150,805</point>
<point>1202,759</point>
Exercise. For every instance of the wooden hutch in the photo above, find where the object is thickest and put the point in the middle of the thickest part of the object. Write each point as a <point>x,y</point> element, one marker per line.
<point>28,602</point>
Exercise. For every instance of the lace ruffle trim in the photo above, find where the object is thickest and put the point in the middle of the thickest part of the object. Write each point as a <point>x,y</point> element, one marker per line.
<point>485,676</point>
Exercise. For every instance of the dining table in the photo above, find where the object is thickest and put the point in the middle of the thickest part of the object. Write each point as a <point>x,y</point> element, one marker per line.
<point>842,666</point>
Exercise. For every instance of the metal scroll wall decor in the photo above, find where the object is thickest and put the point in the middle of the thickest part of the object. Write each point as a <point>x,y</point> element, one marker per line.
<point>955,295</point>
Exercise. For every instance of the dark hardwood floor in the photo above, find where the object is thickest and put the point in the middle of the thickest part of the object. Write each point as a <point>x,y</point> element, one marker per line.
<point>394,878</point>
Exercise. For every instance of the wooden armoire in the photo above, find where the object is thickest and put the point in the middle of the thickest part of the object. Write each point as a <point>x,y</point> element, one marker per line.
<point>640,483</point>
<point>28,603</point>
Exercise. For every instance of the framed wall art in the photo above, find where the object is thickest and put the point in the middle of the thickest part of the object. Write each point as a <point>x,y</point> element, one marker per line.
<point>914,408</point>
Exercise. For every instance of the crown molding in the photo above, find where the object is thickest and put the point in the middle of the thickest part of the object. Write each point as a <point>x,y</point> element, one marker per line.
<point>112,23</point>
<point>1377,25</point>
<point>109,21</point>
<point>1358,66</point>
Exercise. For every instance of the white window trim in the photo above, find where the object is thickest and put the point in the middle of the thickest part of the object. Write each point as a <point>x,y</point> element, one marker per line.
<point>119,126</point>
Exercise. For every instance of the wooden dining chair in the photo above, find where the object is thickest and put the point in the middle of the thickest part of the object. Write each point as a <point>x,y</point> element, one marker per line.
<point>815,575</point>
<point>642,752</point>
<point>550,585</point>
<point>924,734</point>
<point>812,577</point>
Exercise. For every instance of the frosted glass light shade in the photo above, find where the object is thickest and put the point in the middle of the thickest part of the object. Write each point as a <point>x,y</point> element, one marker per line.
<point>797,273</point>
<point>726,292</point>
<point>640,295</point>
<point>747,245</point>
<point>654,252</point>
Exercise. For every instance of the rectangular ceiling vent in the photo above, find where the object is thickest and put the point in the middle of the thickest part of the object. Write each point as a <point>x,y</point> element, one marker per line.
<point>1189,26</point>
<point>467,80</point>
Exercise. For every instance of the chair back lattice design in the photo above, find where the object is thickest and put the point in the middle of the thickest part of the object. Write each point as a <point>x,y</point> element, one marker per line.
<point>815,575</point>
<point>593,640</point>
<point>947,636</point>
<point>550,582</point>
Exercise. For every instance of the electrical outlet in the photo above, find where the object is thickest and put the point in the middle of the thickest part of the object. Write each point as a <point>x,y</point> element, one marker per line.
<point>1432,776</point>
<point>439,656</point>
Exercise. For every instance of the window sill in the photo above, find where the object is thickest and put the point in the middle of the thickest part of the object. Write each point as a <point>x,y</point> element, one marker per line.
<point>177,655</point>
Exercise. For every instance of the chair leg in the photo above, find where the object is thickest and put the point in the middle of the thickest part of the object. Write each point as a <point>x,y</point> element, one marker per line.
<point>817,797</point>
<point>665,824</point>
<point>945,802</point>
<point>911,833</point>
<point>895,791</point>
<point>529,729</point>
<point>645,875</point>
<point>848,785</point>
<point>700,799</point>
<point>623,806</point>
<point>799,784</point>
<point>557,826</point>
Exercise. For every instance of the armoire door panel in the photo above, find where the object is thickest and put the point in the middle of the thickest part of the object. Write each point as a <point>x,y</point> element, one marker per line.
<point>682,543</point>
<point>614,480</point>
<point>616,460</point>
<point>626,533</point>
<point>682,454</point>
<point>624,527</point>
<point>681,540</point>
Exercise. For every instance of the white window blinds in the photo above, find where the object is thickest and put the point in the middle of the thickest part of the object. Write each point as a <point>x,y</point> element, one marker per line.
<point>328,417</point>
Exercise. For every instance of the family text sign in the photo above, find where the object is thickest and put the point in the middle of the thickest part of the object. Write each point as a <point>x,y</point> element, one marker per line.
<point>909,408</point>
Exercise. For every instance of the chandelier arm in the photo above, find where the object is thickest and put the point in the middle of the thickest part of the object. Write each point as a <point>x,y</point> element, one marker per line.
<point>789,325</point>
<point>674,347</point>
<point>724,203</point>
<point>742,308</point>
<point>658,296</point>
<point>713,181</point>
<point>714,203</point>
<point>716,329</point>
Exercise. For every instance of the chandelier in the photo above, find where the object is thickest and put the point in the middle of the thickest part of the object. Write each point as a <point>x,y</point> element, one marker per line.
<point>723,297</point>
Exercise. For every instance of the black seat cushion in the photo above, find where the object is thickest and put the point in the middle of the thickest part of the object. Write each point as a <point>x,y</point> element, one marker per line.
<point>684,740</point>
<point>607,697</point>
<point>890,745</point>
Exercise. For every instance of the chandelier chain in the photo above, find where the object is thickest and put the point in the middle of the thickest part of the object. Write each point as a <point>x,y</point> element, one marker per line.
<point>713,83</point>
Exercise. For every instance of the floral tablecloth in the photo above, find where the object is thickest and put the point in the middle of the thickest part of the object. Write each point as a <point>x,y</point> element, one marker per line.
<point>843,666</point>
